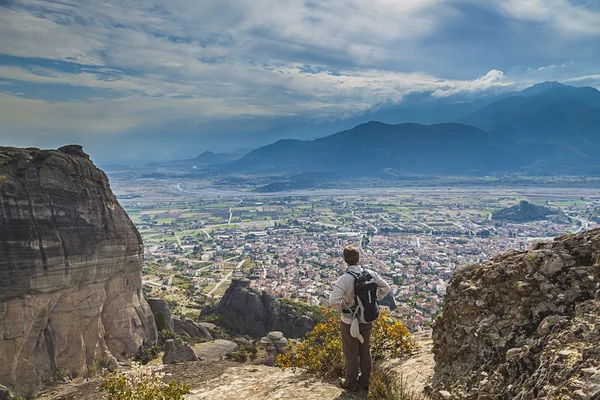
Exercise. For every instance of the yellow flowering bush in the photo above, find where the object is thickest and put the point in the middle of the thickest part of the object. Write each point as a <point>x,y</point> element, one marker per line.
<point>142,384</point>
<point>321,350</point>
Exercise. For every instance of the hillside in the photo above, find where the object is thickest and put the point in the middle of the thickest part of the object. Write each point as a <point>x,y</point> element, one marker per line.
<point>373,147</point>
<point>548,129</point>
<point>523,212</point>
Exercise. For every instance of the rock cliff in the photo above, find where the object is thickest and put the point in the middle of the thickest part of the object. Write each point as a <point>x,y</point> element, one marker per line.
<point>70,261</point>
<point>247,311</point>
<point>524,325</point>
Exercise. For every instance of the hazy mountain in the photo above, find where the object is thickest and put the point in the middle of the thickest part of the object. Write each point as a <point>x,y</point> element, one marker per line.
<point>558,125</point>
<point>205,159</point>
<point>375,147</point>
<point>549,128</point>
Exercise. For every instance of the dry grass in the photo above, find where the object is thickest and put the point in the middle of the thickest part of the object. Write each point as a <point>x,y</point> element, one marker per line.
<point>385,386</point>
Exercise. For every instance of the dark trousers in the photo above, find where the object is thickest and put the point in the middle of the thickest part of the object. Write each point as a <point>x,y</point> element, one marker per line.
<point>353,350</point>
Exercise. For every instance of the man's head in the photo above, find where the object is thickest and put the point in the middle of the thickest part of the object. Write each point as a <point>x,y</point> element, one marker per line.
<point>351,255</point>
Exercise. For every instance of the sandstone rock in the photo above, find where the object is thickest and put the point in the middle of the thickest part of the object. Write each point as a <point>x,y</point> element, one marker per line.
<point>278,340</point>
<point>178,351</point>
<point>538,329</point>
<point>216,350</point>
<point>70,262</point>
<point>272,344</point>
<point>208,325</point>
<point>162,314</point>
<point>188,327</point>
<point>247,311</point>
<point>445,395</point>
<point>240,341</point>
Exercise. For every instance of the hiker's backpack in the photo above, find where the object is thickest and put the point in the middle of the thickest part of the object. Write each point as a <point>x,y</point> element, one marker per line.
<point>365,297</point>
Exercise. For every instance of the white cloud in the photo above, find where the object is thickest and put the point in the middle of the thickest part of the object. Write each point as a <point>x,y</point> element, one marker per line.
<point>494,79</point>
<point>563,15</point>
<point>201,61</point>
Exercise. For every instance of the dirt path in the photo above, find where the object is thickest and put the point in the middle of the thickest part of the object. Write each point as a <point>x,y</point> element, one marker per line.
<point>225,380</point>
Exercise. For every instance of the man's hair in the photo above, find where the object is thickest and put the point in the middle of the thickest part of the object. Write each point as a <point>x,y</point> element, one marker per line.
<point>351,254</point>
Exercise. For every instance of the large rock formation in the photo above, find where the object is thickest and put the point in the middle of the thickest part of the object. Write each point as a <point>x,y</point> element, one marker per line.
<point>523,326</point>
<point>162,314</point>
<point>247,311</point>
<point>70,261</point>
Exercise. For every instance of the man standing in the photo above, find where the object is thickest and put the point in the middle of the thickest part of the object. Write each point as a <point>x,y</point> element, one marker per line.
<point>342,300</point>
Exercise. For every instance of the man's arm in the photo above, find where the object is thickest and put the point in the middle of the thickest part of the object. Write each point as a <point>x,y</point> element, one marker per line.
<point>383,288</point>
<point>336,298</point>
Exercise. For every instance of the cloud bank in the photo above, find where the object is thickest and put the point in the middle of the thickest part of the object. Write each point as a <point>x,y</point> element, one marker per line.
<point>91,71</point>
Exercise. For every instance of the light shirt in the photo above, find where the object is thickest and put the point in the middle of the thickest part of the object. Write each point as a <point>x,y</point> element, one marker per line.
<point>342,296</point>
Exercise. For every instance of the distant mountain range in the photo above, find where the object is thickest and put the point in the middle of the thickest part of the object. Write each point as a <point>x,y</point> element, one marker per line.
<point>205,159</point>
<point>549,128</point>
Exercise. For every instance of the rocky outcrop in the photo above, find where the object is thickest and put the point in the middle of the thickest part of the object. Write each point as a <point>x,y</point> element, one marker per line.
<point>523,326</point>
<point>178,351</point>
<point>256,313</point>
<point>70,261</point>
<point>216,350</point>
<point>274,343</point>
<point>184,327</point>
<point>162,314</point>
<point>247,311</point>
<point>187,327</point>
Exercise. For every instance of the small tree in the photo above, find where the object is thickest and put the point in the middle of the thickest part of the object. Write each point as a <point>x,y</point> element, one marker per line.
<point>142,384</point>
<point>321,351</point>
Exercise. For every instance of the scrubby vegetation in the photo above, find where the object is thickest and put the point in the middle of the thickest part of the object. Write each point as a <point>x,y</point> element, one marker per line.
<point>383,386</point>
<point>142,384</point>
<point>243,354</point>
<point>321,351</point>
<point>523,212</point>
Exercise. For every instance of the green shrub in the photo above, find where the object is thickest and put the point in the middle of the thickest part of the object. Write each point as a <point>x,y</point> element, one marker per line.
<point>161,321</point>
<point>148,354</point>
<point>142,384</point>
<point>321,351</point>
<point>92,370</point>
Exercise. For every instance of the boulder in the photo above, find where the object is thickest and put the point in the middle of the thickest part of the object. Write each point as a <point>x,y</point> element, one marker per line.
<point>188,327</point>
<point>272,344</point>
<point>243,342</point>
<point>523,325</point>
<point>216,350</point>
<point>278,340</point>
<point>177,351</point>
<point>70,263</point>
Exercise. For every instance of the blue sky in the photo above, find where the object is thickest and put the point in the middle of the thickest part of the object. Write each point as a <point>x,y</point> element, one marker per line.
<point>140,79</point>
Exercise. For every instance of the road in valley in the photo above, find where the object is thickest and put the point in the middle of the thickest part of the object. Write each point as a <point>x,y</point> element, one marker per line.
<point>226,278</point>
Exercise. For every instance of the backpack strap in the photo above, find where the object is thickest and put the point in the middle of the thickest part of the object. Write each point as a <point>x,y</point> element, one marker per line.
<point>354,274</point>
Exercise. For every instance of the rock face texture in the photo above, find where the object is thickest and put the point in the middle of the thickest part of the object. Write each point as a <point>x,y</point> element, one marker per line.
<point>162,314</point>
<point>216,350</point>
<point>189,328</point>
<point>524,325</point>
<point>247,311</point>
<point>70,261</point>
<point>178,351</point>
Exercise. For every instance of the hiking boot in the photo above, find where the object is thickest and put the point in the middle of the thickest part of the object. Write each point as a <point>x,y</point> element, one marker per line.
<point>363,385</point>
<point>353,387</point>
